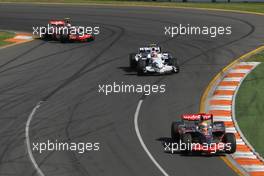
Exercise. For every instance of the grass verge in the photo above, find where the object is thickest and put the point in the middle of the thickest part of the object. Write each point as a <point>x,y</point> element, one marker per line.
<point>248,7</point>
<point>5,35</point>
<point>250,106</point>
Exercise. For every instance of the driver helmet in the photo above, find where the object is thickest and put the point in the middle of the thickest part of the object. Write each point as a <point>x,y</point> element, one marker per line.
<point>67,22</point>
<point>154,54</point>
<point>203,126</point>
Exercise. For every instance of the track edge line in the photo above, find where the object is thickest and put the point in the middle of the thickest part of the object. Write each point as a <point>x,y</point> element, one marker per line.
<point>142,142</point>
<point>29,151</point>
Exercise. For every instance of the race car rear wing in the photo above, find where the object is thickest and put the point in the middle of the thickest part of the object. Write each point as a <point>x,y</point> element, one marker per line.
<point>197,117</point>
<point>149,49</point>
<point>57,22</point>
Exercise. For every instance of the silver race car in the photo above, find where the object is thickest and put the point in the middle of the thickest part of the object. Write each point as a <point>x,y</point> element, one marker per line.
<point>150,60</point>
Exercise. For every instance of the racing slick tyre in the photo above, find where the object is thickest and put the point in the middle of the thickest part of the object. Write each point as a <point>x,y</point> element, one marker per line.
<point>132,61</point>
<point>46,37</point>
<point>187,140</point>
<point>141,67</point>
<point>229,138</point>
<point>64,38</point>
<point>175,135</point>
<point>174,62</point>
<point>90,39</point>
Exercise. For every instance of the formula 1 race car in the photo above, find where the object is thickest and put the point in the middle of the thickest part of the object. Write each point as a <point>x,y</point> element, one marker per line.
<point>80,36</point>
<point>202,134</point>
<point>63,31</point>
<point>150,59</point>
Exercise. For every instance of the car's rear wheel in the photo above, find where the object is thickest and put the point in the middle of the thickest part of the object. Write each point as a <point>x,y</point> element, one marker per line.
<point>175,135</point>
<point>90,39</point>
<point>174,62</point>
<point>64,38</point>
<point>132,61</point>
<point>46,37</point>
<point>141,66</point>
<point>230,140</point>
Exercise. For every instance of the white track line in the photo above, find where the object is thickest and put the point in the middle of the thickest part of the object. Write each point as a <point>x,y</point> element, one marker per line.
<point>31,157</point>
<point>231,130</point>
<point>142,142</point>
<point>244,155</point>
<point>226,88</point>
<point>254,168</point>
<point>240,142</point>
<point>233,79</point>
<point>220,107</point>
<point>222,97</point>
<point>24,37</point>
<point>223,118</point>
<point>239,71</point>
<point>249,63</point>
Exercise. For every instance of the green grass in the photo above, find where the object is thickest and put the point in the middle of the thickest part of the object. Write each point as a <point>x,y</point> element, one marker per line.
<point>4,36</point>
<point>250,106</point>
<point>257,58</point>
<point>249,7</point>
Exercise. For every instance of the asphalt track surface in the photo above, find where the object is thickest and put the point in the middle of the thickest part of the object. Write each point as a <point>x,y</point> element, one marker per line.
<point>66,76</point>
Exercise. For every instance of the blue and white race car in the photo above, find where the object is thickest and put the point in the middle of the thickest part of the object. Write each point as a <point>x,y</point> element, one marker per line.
<point>151,60</point>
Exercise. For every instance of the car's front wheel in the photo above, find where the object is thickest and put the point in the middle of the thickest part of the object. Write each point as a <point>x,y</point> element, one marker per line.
<point>187,142</point>
<point>141,66</point>
<point>230,142</point>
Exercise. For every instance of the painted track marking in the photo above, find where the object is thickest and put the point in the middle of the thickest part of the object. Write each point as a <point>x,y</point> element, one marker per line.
<point>31,157</point>
<point>245,156</point>
<point>142,142</point>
